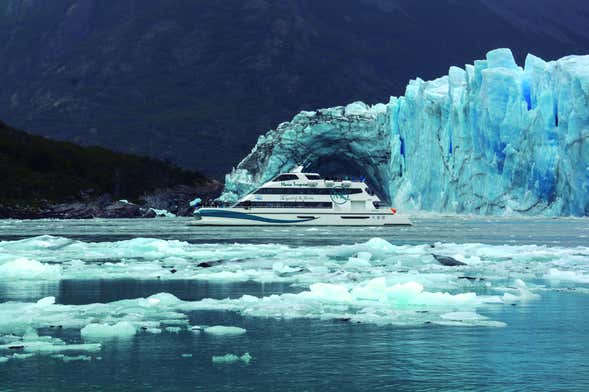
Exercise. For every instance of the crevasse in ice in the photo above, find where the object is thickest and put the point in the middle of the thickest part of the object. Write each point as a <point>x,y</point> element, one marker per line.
<point>492,138</point>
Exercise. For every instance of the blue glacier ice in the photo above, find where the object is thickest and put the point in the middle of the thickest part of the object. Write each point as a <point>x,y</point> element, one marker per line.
<point>492,138</point>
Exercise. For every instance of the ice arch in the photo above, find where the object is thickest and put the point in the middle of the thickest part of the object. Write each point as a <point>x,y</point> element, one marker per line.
<point>491,138</point>
<point>345,141</point>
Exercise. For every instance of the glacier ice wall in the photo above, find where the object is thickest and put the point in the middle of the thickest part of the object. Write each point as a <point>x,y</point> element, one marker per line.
<point>492,138</point>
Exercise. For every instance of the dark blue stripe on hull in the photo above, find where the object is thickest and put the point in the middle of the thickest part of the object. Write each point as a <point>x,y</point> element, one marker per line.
<point>242,215</point>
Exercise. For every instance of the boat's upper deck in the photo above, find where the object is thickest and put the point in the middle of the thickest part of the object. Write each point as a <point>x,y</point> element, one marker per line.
<point>309,190</point>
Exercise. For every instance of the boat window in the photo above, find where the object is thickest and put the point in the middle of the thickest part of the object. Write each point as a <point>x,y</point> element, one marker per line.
<point>287,204</point>
<point>286,177</point>
<point>308,191</point>
<point>313,176</point>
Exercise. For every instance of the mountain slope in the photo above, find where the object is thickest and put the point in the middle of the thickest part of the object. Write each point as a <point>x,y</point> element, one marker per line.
<point>197,81</point>
<point>36,171</point>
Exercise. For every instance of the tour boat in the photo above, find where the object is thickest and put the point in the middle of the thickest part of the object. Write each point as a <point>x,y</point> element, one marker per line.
<point>297,198</point>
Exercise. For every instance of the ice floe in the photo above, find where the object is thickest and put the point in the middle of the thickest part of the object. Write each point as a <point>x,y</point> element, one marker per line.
<point>232,358</point>
<point>567,276</point>
<point>374,301</point>
<point>372,282</point>
<point>24,269</point>
<point>473,264</point>
<point>122,329</point>
<point>222,330</point>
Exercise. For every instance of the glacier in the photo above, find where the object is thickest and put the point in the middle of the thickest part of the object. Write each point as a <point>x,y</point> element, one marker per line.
<point>490,138</point>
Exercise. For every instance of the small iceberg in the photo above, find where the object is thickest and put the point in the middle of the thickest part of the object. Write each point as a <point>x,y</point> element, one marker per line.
<point>231,358</point>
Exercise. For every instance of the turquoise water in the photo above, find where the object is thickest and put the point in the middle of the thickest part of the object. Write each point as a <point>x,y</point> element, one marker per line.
<point>519,322</point>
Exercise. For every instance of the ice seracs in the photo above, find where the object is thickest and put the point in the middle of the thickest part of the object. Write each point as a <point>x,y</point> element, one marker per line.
<point>489,138</point>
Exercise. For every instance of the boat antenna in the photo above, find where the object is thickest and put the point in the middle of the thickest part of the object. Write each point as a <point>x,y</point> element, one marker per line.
<point>297,169</point>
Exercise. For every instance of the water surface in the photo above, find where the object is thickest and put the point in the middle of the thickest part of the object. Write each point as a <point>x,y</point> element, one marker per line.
<point>514,318</point>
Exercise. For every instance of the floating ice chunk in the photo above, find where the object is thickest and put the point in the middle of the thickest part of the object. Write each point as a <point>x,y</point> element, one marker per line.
<point>186,355</point>
<point>54,345</point>
<point>378,244</point>
<point>4,359</point>
<point>373,302</point>
<point>405,293</point>
<point>232,358</point>
<point>173,329</point>
<point>523,293</point>
<point>25,269</point>
<point>467,319</point>
<point>122,329</point>
<point>144,258</point>
<point>358,263</point>
<point>567,276</point>
<point>43,302</point>
<point>460,316</point>
<point>68,358</point>
<point>282,269</point>
<point>402,281</point>
<point>246,358</point>
<point>227,358</point>
<point>374,290</point>
<point>222,330</point>
<point>182,322</point>
<point>227,276</point>
<point>195,202</point>
<point>165,299</point>
<point>364,256</point>
<point>22,356</point>
<point>329,292</point>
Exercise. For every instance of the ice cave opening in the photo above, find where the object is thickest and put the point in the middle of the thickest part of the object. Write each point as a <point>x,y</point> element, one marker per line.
<point>344,167</point>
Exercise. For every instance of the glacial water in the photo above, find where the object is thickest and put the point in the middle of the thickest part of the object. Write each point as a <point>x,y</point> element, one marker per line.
<point>127,305</point>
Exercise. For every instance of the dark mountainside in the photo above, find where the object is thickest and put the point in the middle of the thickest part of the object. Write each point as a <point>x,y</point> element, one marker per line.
<point>196,81</point>
<point>47,178</point>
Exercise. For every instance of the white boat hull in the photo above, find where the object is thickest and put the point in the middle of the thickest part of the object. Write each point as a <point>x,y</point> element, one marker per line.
<point>263,217</point>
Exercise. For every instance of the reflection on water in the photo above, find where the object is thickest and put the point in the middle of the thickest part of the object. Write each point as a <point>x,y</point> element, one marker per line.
<point>543,348</point>
<point>27,291</point>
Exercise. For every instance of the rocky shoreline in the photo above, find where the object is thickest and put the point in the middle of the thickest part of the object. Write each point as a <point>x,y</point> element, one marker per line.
<point>162,202</point>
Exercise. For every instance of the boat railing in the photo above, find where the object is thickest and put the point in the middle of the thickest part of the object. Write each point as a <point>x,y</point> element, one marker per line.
<point>344,178</point>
